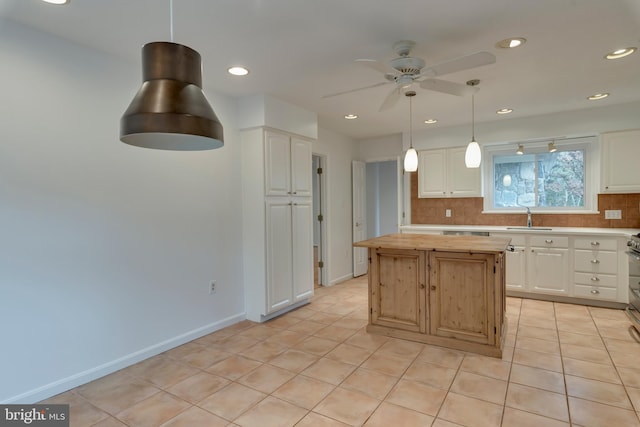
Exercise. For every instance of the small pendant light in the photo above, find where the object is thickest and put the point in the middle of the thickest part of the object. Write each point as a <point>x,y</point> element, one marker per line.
<point>170,111</point>
<point>473,155</point>
<point>411,156</point>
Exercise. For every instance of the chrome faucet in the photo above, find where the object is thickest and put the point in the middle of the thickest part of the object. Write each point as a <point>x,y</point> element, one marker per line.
<point>528,218</point>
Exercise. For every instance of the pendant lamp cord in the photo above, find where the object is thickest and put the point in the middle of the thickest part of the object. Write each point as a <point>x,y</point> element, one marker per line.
<point>410,124</point>
<point>171,19</point>
<point>473,119</point>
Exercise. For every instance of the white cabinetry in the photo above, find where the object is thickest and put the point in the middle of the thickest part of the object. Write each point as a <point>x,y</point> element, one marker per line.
<point>596,267</point>
<point>620,154</point>
<point>442,173</point>
<point>515,279</point>
<point>586,267</point>
<point>548,265</point>
<point>277,222</point>
<point>288,165</point>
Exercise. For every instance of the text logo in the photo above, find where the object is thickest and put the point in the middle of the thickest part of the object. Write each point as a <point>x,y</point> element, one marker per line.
<point>34,415</point>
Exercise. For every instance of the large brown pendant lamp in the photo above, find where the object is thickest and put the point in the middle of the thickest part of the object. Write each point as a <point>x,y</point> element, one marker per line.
<point>170,111</point>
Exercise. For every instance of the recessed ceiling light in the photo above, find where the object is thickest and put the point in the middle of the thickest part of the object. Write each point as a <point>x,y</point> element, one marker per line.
<point>620,53</point>
<point>238,71</point>
<point>430,121</point>
<point>505,111</point>
<point>597,96</point>
<point>56,1</point>
<point>512,42</point>
<point>351,116</point>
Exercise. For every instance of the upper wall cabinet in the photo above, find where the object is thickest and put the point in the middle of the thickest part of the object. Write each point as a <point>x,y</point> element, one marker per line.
<point>620,154</point>
<point>288,165</point>
<point>442,173</point>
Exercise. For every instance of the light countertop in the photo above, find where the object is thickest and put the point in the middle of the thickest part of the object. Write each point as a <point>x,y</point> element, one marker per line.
<point>615,232</point>
<point>428,242</point>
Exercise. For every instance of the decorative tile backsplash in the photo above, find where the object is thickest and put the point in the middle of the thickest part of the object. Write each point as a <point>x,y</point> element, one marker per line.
<point>468,211</point>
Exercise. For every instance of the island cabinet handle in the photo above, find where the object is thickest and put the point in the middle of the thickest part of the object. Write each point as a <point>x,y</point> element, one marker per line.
<point>595,261</point>
<point>422,286</point>
<point>548,241</point>
<point>595,279</point>
<point>433,287</point>
<point>595,243</point>
<point>595,291</point>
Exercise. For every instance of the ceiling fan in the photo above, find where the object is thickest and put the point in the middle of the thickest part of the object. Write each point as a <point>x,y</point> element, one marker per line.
<point>406,70</point>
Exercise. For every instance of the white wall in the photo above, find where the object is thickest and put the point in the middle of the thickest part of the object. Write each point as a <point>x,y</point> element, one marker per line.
<point>106,250</point>
<point>339,151</point>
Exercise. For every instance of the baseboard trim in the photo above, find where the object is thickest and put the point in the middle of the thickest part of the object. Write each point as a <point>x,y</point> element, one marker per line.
<point>341,279</point>
<point>64,384</point>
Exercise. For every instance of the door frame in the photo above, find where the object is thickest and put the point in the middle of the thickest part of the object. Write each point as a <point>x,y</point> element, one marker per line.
<point>323,254</point>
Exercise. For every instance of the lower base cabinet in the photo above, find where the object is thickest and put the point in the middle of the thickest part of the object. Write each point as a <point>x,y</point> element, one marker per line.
<point>462,297</point>
<point>451,299</point>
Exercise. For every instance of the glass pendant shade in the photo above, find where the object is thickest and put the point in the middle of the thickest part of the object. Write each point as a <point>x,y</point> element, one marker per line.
<point>411,160</point>
<point>473,156</point>
<point>170,111</point>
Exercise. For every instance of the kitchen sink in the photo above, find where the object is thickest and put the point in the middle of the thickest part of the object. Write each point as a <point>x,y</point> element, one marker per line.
<point>529,228</point>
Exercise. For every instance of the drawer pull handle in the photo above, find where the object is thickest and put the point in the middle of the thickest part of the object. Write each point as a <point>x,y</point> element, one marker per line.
<point>548,241</point>
<point>595,279</point>
<point>595,261</point>
<point>595,291</point>
<point>433,288</point>
<point>595,243</point>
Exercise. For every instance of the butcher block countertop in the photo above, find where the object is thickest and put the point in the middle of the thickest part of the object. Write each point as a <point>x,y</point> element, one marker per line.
<point>427,242</point>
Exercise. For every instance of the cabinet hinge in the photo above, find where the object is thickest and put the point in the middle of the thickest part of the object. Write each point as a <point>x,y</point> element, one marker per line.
<point>319,171</point>
<point>320,218</point>
<point>320,264</point>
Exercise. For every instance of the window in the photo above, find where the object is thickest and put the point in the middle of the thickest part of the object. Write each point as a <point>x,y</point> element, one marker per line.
<point>554,182</point>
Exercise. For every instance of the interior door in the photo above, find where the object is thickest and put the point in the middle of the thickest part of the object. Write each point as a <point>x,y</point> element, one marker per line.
<point>358,179</point>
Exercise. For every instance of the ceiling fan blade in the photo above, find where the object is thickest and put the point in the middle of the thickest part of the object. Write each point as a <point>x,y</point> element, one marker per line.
<point>448,87</point>
<point>355,90</point>
<point>391,99</point>
<point>466,62</point>
<point>374,65</point>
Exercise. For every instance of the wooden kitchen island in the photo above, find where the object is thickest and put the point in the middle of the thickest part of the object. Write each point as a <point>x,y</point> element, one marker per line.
<point>443,290</point>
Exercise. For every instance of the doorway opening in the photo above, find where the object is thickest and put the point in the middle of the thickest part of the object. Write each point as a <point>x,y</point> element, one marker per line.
<point>378,204</point>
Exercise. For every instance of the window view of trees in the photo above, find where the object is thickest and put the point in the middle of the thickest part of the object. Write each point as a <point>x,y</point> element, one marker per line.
<point>540,180</point>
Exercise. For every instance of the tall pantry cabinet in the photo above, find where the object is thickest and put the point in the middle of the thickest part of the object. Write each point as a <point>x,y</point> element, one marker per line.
<point>277,219</point>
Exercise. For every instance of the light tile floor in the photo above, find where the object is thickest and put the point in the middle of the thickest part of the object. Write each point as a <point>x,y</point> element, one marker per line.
<point>316,366</point>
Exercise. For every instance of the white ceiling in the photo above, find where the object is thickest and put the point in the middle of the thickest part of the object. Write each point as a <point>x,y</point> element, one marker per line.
<point>300,50</point>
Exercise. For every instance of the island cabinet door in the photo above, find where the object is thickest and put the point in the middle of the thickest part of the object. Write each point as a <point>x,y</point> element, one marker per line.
<point>461,296</point>
<point>398,289</point>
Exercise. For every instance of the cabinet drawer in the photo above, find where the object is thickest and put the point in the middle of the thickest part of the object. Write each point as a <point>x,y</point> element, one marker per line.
<point>596,244</point>
<point>591,279</point>
<point>600,261</point>
<point>549,241</point>
<point>595,292</point>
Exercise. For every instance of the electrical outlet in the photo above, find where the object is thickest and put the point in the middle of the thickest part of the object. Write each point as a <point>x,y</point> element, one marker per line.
<point>212,287</point>
<point>613,214</point>
<point>447,213</point>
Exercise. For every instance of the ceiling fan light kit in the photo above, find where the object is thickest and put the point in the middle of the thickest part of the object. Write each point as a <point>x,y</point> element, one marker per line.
<point>473,154</point>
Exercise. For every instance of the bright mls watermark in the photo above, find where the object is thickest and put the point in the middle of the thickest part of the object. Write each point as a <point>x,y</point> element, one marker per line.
<point>34,415</point>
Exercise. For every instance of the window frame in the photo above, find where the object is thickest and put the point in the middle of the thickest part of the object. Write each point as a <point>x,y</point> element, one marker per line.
<point>591,173</point>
